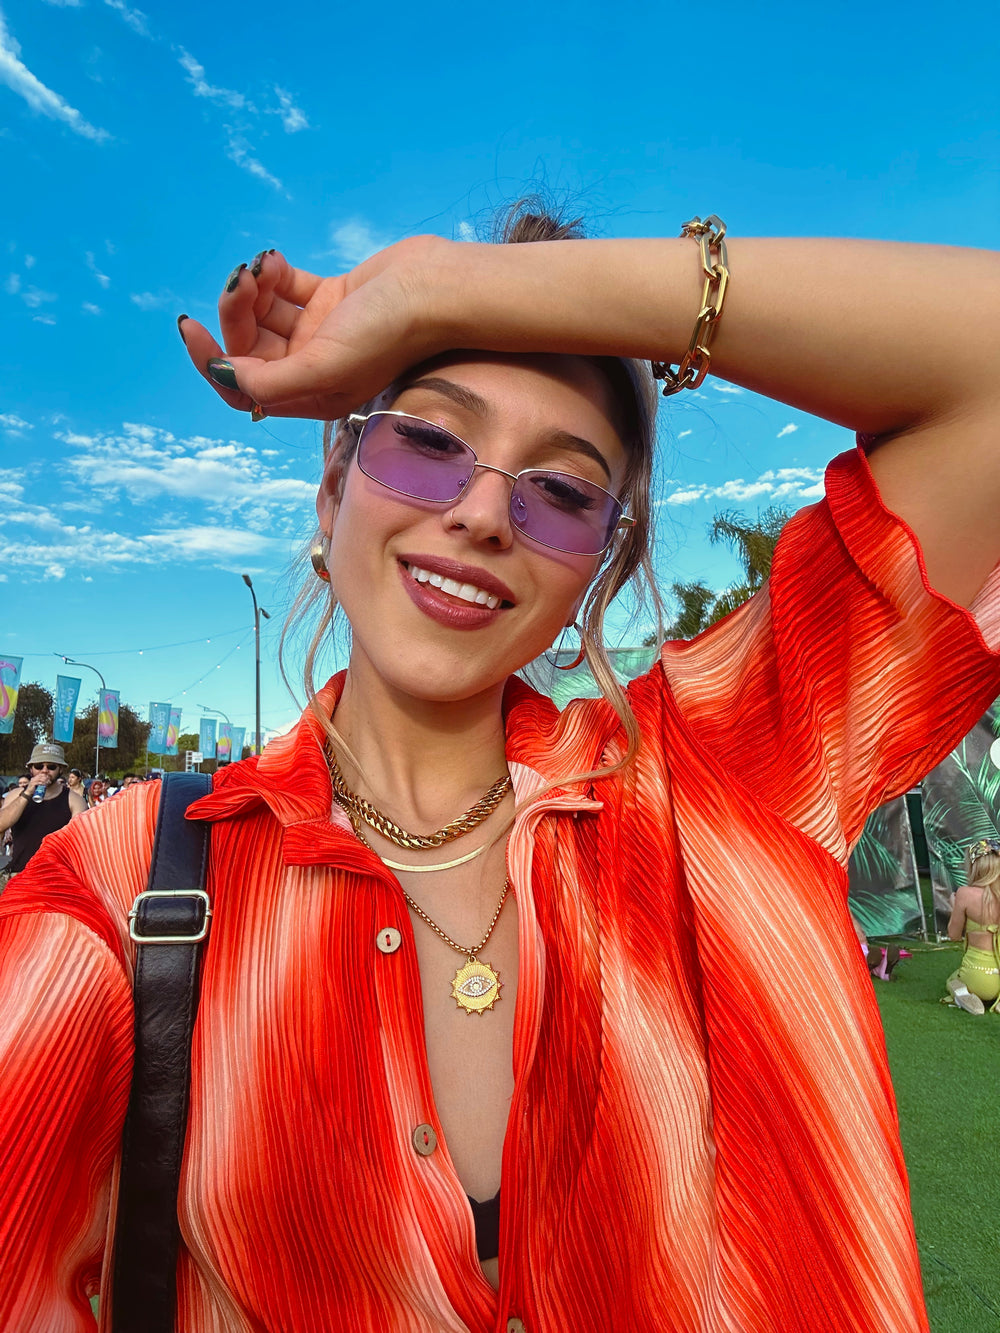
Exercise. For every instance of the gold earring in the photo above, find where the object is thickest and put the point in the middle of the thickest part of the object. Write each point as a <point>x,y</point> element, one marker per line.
<point>318,557</point>
<point>570,666</point>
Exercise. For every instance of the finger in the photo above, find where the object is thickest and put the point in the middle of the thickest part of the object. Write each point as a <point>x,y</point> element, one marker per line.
<point>237,319</point>
<point>202,348</point>
<point>278,316</point>
<point>296,285</point>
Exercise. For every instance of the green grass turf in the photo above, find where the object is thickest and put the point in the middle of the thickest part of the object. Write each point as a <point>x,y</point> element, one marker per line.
<point>946,1071</point>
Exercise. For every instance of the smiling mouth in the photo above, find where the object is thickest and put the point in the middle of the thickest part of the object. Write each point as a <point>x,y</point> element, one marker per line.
<point>464,592</point>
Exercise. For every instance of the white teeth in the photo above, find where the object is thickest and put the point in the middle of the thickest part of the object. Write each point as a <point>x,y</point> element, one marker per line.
<point>468,592</point>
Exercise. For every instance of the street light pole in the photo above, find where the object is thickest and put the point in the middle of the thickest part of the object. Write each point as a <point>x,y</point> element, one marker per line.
<point>97,752</point>
<point>257,613</point>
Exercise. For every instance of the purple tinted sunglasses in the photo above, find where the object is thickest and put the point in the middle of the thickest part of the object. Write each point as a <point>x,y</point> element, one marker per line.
<point>426,462</point>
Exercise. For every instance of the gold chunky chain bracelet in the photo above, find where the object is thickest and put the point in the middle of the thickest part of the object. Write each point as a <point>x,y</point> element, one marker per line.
<point>693,367</point>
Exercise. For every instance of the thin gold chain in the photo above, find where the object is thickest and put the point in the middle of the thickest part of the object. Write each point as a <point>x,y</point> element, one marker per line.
<point>468,953</point>
<point>356,805</point>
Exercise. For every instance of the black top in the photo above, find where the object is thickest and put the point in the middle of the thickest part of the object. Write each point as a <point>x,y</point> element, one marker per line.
<point>35,823</point>
<point>487,1219</point>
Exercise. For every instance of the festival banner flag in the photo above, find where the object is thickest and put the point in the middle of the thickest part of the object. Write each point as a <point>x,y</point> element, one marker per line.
<point>173,731</point>
<point>206,737</point>
<point>64,712</point>
<point>107,721</point>
<point>239,736</point>
<point>224,745</point>
<point>10,683</point>
<point>159,723</point>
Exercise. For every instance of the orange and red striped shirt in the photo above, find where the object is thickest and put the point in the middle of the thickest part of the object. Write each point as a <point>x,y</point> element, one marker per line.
<point>696,1142</point>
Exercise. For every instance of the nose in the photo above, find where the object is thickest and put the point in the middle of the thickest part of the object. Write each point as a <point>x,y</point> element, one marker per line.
<point>483,508</point>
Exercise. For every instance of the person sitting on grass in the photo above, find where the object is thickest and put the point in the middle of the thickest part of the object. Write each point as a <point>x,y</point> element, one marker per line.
<point>975,917</point>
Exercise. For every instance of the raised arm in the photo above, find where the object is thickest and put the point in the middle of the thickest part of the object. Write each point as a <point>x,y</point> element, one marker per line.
<point>897,341</point>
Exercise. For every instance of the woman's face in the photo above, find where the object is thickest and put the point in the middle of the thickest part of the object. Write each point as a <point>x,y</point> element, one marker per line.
<point>516,412</point>
<point>73,781</point>
<point>97,790</point>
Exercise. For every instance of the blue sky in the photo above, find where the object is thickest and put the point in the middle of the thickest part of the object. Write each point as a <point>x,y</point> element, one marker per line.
<point>146,152</point>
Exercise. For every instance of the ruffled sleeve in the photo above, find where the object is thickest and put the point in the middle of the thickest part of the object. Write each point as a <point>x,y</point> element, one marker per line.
<point>847,677</point>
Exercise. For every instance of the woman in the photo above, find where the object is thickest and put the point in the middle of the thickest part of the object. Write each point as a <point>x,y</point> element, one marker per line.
<point>563,989</point>
<point>74,781</point>
<point>975,918</point>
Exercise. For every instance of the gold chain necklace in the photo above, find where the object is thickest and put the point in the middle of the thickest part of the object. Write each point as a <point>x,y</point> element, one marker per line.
<point>358,807</point>
<point>476,986</point>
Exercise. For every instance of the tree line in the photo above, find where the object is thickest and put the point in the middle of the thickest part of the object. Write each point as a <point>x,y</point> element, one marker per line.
<point>33,723</point>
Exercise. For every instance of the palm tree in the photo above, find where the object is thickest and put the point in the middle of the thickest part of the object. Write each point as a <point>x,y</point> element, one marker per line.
<point>753,544</point>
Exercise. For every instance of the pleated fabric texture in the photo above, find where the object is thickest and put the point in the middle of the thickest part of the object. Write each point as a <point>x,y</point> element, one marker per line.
<point>701,1139</point>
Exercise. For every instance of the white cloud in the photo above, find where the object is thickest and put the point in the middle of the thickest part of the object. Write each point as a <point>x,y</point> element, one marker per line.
<point>102,278</point>
<point>135,18</point>
<point>29,261</point>
<point>790,429</point>
<point>681,434</point>
<point>92,309</point>
<point>794,485</point>
<point>44,319</point>
<point>292,118</point>
<point>33,297</point>
<point>16,75</point>
<point>202,88</point>
<point>148,462</point>
<point>152,300</point>
<point>11,422</point>
<point>64,4</point>
<point>12,284</point>
<point>466,231</point>
<point>725,388</point>
<point>354,241</point>
<point>238,150</point>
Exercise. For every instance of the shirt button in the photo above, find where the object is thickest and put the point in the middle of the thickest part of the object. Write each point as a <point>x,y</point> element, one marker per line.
<point>424,1140</point>
<point>388,939</point>
<point>515,1325</point>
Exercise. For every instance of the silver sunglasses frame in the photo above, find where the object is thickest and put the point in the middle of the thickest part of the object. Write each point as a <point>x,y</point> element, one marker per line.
<point>358,422</point>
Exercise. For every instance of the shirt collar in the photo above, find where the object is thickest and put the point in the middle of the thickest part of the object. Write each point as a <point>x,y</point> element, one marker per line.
<point>291,778</point>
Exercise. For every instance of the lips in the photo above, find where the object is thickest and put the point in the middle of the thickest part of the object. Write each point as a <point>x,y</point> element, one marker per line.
<point>464,576</point>
<point>455,595</point>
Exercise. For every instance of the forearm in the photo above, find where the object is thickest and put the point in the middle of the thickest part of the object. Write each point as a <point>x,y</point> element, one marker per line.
<point>11,812</point>
<point>879,337</point>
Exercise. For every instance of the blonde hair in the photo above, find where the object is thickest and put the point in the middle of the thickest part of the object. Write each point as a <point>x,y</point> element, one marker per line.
<point>634,399</point>
<point>983,872</point>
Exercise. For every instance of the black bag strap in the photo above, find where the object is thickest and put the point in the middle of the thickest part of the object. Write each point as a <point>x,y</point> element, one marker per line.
<point>169,923</point>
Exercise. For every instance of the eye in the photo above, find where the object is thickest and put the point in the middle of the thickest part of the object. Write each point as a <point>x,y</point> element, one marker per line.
<point>563,491</point>
<point>429,440</point>
<point>475,987</point>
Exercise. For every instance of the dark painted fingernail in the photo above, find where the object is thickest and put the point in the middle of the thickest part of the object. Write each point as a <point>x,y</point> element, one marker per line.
<point>180,321</point>
<point>257,413</point>
<point>221,372</point>
<point>258,263</point>
<point>233,281</point>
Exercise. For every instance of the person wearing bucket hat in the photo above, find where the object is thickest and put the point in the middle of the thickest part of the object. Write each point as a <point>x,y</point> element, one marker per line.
<point>30,816</point>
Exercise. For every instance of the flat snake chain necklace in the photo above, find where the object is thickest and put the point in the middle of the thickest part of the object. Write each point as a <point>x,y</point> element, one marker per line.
<point>476,986</point>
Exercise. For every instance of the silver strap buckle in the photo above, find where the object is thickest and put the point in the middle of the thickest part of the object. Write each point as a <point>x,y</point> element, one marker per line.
<point>170,939</point>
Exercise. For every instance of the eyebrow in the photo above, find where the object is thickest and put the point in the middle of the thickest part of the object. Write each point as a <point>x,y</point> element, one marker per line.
<point>474,402</point>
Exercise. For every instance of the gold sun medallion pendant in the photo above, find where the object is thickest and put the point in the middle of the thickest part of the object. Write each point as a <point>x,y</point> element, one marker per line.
<point>475,987</point>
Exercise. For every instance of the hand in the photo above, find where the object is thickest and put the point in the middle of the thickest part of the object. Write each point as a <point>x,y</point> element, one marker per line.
<point>37,780</point>
<point>305,346</point>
